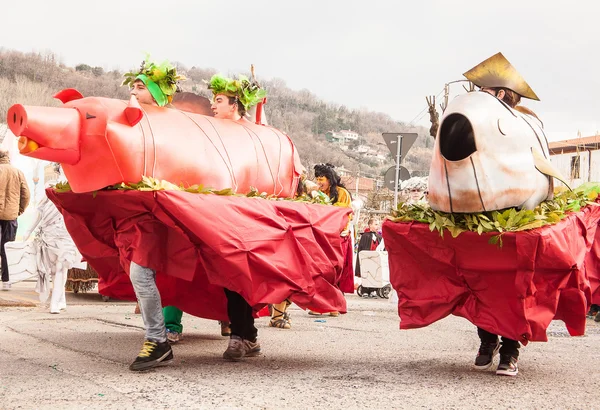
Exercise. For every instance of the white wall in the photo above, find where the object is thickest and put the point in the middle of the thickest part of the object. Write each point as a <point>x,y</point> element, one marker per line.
<point>563,163</point>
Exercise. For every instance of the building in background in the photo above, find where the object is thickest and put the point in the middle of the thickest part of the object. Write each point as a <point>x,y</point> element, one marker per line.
<point>343,137</point>
<point>578,159</point>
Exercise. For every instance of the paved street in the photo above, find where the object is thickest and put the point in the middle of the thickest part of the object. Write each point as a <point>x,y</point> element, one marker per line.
<point>79,359</point>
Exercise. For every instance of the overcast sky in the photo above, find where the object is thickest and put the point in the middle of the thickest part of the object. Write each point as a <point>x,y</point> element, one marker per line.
<point>379,55</point>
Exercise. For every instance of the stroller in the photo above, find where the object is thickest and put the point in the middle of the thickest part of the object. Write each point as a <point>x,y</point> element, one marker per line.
<point>375,273</point>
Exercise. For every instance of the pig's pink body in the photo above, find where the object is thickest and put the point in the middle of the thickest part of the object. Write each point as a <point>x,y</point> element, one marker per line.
<point>101,142</point>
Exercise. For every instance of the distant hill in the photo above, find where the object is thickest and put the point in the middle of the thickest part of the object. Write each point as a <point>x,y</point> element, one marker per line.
<point>32,78</point>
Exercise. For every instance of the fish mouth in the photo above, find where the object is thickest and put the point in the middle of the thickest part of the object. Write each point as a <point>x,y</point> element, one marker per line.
<point>27,146</point>
<point>457,139</point>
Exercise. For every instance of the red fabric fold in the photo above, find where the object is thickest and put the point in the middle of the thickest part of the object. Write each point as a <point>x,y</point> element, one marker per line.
<point>515,291</point>
<point>199,244</point>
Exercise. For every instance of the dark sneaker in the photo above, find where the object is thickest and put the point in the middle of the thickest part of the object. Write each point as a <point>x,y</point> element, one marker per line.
<point>597,318</point>
<point>235,350</point>
<point>153,354</point>
<point>174,337</point>
<point>486,354</point>
<point>508,366</point>
<point>252,348</point>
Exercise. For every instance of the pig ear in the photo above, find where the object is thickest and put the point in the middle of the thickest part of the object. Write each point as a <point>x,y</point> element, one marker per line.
<point>133,112</point>
<point>67,95</point>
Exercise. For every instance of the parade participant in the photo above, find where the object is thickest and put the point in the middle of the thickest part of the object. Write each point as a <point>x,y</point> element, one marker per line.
<point>172,315</point>
<point>330,183</point>
<point>231,100</point>
<point>14,197</point>
<point>154,84</point>
<point>55,252</point>
<point>498,77</point>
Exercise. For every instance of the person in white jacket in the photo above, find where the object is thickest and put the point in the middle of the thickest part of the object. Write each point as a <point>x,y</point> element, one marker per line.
<point>51,253</point>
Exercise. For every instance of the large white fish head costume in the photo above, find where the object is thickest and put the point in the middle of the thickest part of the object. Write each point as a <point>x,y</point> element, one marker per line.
<point>487,155</point>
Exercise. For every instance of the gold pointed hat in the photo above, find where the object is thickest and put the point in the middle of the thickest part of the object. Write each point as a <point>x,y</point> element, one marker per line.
<point>497,71</point>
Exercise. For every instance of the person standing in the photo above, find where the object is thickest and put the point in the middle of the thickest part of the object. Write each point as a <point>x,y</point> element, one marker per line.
<point>14,198</point>
<point>369,240</point>
<point>152,85</point>
<point>231,101</point>
<point>496,76</point>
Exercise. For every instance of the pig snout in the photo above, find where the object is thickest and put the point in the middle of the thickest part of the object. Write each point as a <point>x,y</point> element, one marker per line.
<point>46,132</point>
<point>457,140</point>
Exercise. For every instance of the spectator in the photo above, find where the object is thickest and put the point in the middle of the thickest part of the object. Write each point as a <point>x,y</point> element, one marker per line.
<point>14,198</point>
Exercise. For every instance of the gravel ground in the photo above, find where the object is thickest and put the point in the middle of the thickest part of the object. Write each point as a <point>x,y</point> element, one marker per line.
<point>79,359</point>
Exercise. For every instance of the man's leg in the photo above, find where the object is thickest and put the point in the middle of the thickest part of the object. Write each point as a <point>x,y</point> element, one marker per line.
<point>156,349</point>
<point>509,355</point>
<point>173,324</point>
<point>58,289</point>
<point>487,350</point>
<point>243,332</point>
<point>8,232</point>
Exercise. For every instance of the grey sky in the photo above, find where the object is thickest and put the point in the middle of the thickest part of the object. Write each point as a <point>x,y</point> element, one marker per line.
<point>379,55</point>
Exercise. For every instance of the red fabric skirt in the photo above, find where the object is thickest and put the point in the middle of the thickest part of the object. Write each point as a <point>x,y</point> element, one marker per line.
<point>515,290</point>
<point>198,244</point>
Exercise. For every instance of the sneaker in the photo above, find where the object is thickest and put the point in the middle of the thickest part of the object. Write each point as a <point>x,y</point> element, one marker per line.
<point>5,285</point>
<point>235,350</point>
<point>153,354</point>
<point>225,328</point>
<point>597,318</point>
<point>173,336</point>
<point>252,348</point>
<point>485,356</point>
<point>507,366</point>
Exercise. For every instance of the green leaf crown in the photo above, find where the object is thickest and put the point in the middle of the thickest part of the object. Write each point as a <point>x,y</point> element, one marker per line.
<point>163,74</point>
<point>247,92</point>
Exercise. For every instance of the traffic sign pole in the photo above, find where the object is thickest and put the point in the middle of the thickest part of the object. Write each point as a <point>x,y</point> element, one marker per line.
<point>398,151</point>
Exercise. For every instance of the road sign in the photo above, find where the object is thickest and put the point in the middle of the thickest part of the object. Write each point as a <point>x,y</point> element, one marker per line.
<point>391,140</point>
<point>390,177</point>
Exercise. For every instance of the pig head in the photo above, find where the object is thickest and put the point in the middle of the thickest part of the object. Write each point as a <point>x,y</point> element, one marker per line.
<point>488,156</point>
<point>102,142</point>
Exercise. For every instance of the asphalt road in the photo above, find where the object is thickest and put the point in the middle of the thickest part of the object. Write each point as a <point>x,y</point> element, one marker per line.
<point>79,359</point>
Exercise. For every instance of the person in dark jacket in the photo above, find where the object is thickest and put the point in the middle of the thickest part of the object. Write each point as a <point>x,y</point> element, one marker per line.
<point>369,240</point>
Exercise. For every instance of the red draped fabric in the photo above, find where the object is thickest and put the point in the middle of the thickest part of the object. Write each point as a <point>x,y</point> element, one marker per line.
<point>515,290</point>
<point>199,244</point>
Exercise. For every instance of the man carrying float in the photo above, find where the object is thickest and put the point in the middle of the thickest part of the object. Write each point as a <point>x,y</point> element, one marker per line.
<point>511,258</point>
<point>195,203</point>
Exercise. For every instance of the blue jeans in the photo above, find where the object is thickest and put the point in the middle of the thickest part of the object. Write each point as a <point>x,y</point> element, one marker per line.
<point>144,285</point>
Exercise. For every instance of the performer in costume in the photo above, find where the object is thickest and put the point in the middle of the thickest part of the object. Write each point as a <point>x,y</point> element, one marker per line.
<point>153,84</point>
<point>53,250</point>
<point>493,77</point>
<point>330,183</point>
<point>172,315</point>
<point>232,99</point>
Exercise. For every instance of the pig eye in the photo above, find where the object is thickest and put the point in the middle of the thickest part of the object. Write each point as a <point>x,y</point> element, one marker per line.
<point>89,116</point>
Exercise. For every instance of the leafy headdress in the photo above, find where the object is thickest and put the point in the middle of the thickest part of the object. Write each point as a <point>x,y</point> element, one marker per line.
<point>160,79</point>
<point>247,92</point>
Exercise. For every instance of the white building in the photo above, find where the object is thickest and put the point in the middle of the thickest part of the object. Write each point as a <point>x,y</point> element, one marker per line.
<point>577,159</point>
<point>342,137</point>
